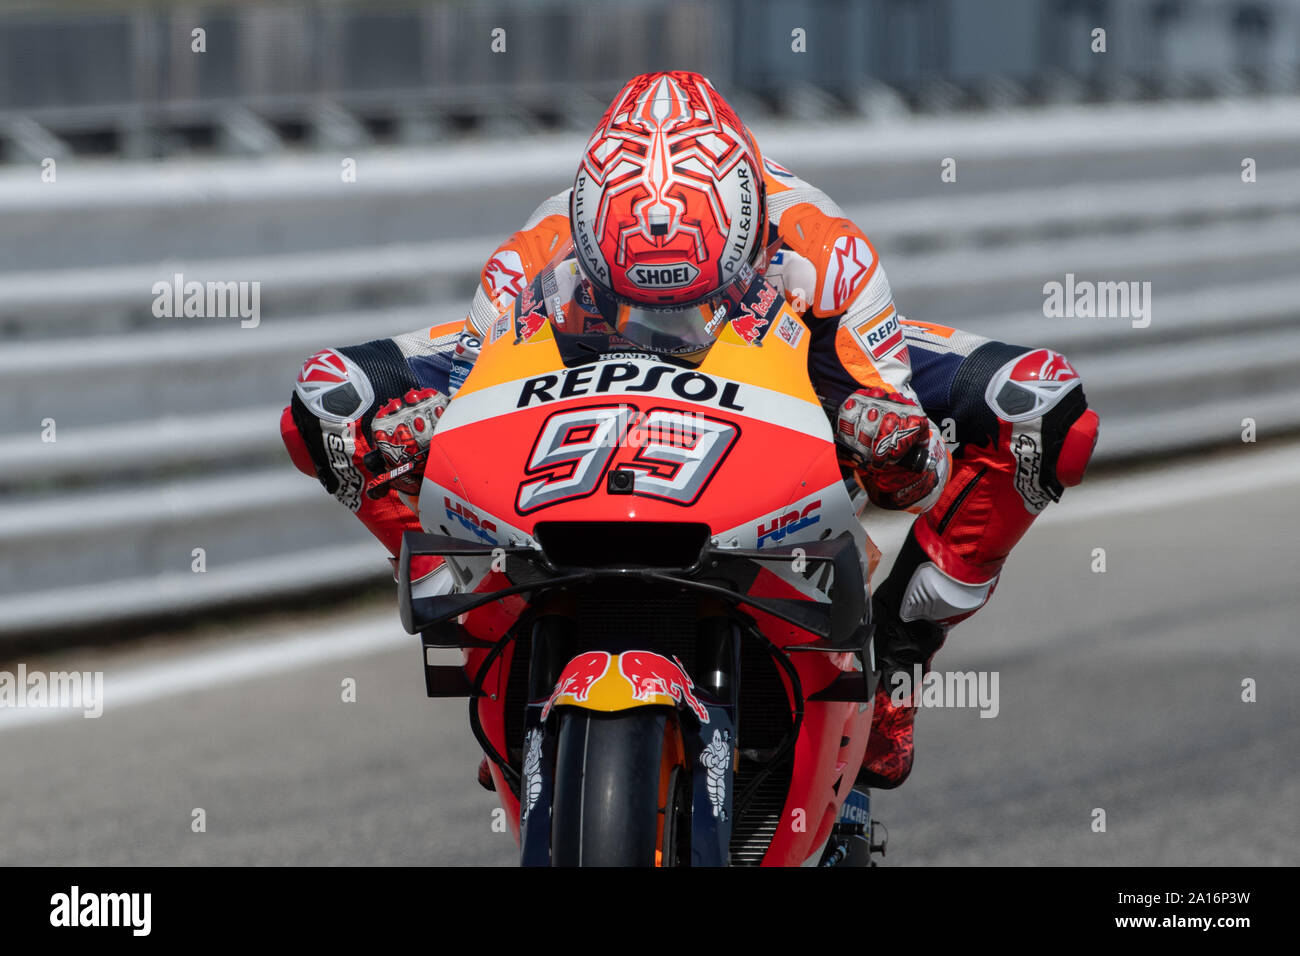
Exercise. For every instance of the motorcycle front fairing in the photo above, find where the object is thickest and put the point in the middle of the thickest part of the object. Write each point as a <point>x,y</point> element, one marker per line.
<point>736,438</point>
<point>551,432</point>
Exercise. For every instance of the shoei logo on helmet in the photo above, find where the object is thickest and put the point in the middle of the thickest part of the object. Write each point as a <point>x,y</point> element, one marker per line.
<point>670,275</point>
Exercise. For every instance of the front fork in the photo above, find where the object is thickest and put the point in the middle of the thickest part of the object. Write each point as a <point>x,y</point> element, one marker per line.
<point>711,746</point>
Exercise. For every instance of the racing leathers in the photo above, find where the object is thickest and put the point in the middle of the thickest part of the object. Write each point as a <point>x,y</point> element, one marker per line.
<point>1015,419</point>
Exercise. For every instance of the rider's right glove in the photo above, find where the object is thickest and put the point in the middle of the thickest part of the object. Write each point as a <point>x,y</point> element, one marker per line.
<point>901,463</point>
<point>402,429</point>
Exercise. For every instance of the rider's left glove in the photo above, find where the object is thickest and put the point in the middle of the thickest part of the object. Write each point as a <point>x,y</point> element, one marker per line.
<point>902,464</point>
<point>402,429</point>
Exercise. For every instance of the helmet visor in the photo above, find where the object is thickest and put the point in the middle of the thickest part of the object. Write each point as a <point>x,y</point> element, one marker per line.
<point>679,330</point>
<point>685,329</point>
<point>690,329</point>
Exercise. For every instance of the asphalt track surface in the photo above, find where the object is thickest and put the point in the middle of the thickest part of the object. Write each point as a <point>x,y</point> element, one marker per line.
<point>1118,690</point>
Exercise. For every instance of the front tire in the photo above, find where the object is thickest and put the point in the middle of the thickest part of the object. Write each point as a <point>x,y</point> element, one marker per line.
<point>610,773</point>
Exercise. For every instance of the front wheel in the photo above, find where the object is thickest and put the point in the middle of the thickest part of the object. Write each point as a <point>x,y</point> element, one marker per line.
<point>621,797</point>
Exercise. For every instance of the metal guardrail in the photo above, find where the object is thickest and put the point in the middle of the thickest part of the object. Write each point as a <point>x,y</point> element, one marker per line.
<point>1011,216</point>
<point>128,78</point>
<point>167,437</point>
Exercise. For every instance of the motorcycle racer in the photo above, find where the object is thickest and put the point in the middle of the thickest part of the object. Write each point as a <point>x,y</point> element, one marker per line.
<point>678,224</point>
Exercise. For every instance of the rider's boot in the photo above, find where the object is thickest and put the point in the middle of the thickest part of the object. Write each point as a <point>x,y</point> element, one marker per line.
<point>900,646</point>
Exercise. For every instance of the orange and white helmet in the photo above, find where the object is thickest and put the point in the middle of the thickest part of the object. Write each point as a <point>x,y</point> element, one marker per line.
<point>668,209</point>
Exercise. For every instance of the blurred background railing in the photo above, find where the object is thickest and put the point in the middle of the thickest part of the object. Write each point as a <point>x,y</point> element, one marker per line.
<point>1124,166</point>
<point>124,78</point>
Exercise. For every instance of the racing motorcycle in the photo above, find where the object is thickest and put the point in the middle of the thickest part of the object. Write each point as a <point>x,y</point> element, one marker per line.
<point>660,589</point>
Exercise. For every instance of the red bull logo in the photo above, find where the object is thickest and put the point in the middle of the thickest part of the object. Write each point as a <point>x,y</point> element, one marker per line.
<point>748,325</point>
<point>578,677</point>
<point>766,297</point>
<point>651,674</point>
<point>530,323</point>
<point>755,314</point>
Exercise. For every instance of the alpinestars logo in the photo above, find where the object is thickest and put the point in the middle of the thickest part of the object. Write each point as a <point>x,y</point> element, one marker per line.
<point>339,453</point>
<point>1028,386</point>
<point>326,368</point>
<point>890,442</point>
<point>1029,465</point>
<point>504,277</point>
<point>850,262</point>
<point>333,387</point>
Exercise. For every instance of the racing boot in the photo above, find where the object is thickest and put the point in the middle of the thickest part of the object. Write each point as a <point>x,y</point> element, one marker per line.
<point>890,749</point>
<point>899,646</point>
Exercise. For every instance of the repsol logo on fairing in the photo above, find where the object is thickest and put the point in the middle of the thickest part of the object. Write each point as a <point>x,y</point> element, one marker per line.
<point>669,275</point>
<point>628,377</point>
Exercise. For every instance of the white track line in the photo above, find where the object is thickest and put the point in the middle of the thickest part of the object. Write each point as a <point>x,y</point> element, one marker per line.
<point>208,669</point>
<point>1256,468</point>
<point>1174,486</point>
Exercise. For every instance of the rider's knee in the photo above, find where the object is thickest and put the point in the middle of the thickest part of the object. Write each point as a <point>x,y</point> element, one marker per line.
<point>319,428</point>
<point>295,444</point>
<point>1029,404</point>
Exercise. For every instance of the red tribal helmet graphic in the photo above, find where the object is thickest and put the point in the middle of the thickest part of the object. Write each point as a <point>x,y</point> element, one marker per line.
<point>668,208</point>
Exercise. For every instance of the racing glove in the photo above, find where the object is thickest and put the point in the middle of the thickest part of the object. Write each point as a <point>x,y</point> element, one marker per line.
<point>402,429</point>
<point>901,463</point>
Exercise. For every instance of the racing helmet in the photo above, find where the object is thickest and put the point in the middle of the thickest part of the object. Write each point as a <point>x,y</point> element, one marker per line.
<point>668,211</point>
